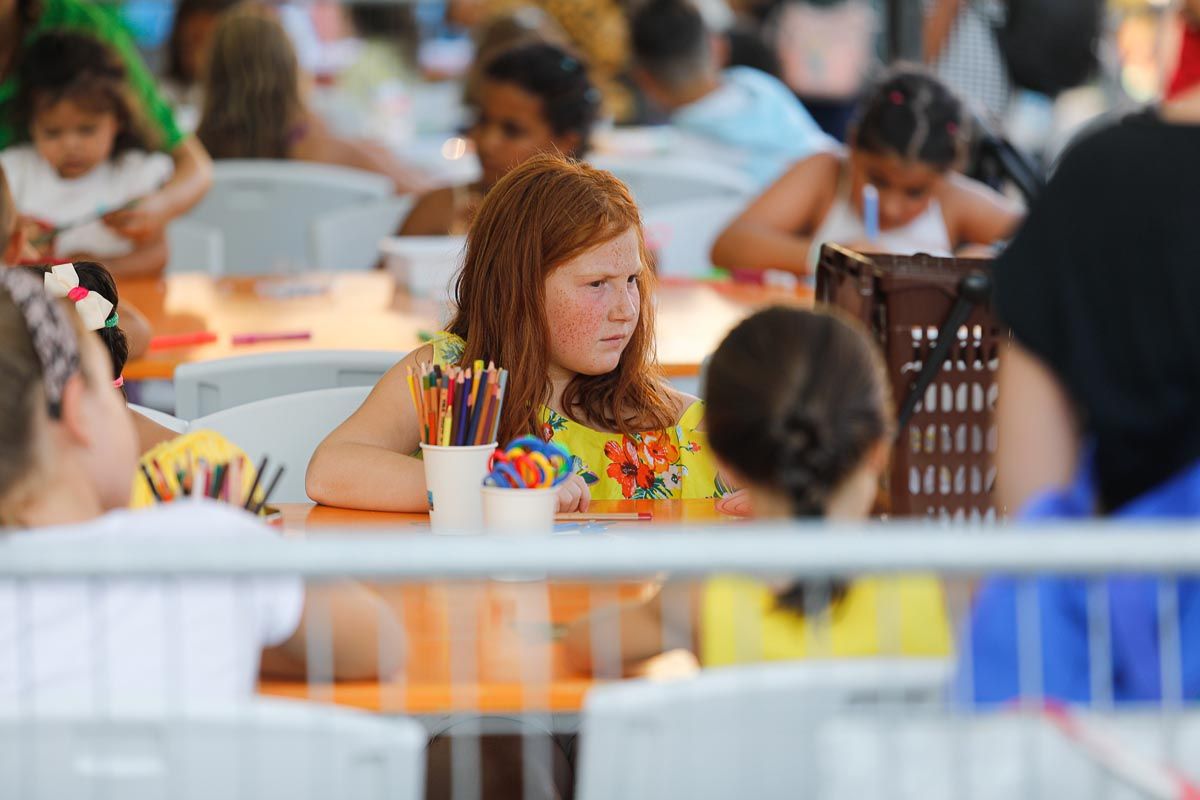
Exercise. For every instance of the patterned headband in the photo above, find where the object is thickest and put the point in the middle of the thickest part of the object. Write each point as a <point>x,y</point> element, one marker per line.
<point>54,340</point>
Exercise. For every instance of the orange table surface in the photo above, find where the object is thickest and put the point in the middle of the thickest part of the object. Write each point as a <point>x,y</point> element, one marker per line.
<point>475,647</point>
<point>366,311</point>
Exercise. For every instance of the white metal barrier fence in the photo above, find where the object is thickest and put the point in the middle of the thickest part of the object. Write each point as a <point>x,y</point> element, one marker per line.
<point>472,646</point>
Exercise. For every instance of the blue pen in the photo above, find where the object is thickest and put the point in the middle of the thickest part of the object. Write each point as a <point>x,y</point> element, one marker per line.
<point>871,212</point>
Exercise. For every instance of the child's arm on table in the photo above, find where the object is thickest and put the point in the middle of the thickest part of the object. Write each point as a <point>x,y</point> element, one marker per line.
<point>640,626</point>
<point>147,260</point>
<point>976,214</point>
<point>775,231</point>
<point>365,462</point>
<point>358,627</point>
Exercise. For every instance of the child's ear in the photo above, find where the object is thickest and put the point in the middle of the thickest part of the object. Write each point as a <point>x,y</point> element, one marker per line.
<point>718,45</point>
<point>74,417</point>
<point>878,456</point>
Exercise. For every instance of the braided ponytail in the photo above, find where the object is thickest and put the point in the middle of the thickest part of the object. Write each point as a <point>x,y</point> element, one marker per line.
<point>803,427</point>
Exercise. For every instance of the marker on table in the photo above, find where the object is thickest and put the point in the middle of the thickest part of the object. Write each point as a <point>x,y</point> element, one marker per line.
<point>283,336</point>
<point>618,516</point>
<point>871,212</point>
<point>182,340</point>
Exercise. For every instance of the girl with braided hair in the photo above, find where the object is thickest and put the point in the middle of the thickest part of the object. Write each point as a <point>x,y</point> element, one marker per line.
<point>799,413</point>
<point>909,138</point>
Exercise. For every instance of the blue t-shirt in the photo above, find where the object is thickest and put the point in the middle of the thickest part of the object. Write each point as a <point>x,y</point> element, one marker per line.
<point>758,120</point>
<point>1133,671</point>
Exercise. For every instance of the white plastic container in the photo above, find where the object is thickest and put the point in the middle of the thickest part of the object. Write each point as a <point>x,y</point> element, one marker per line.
<point>519,512</point>
<point>424,265</point>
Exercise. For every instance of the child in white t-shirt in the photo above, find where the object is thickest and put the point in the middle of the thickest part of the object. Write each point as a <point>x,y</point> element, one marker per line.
<point>69,459</point>
<point>89,156</point>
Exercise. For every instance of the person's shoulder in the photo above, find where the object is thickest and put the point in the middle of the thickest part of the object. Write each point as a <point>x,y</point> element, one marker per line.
<point>190,518</point>
<point>431,214</point>
<point>1111,137</point>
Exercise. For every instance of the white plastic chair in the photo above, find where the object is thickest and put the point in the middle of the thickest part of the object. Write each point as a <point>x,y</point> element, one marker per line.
<point>287,429</point>
<point>659,181</point>
<point>195,247</point>
<point>264,208</point>
<point>349,238</point>
<point>267,749</point>
<point>737,732</point>
<point>206,387</point>
<point>161,417</point>
<point>683,233</point>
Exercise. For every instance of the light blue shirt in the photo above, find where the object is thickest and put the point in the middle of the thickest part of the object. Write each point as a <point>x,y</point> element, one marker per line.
<point>758,123</point>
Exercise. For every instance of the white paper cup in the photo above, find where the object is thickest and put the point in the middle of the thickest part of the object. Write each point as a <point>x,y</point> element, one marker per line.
<point>519,512</point>
<point>453,480</point>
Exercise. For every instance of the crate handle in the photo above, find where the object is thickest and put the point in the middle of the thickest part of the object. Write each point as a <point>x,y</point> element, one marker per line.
<point>974,289</point>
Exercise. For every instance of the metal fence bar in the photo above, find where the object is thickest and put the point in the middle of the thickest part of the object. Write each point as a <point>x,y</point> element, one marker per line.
<point>822,552</point>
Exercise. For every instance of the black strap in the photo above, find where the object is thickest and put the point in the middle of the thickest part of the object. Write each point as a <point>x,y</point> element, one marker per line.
<point>973,289</point>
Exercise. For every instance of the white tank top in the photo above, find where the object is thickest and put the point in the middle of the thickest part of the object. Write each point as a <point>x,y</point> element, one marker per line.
<point>842,225</point>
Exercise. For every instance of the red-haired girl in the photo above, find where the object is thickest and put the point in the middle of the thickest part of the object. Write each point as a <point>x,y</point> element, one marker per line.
<point>555,288</point>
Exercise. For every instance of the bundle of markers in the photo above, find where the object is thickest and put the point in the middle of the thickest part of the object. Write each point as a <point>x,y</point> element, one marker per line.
<point>455,406</point>
<point>219,481</point>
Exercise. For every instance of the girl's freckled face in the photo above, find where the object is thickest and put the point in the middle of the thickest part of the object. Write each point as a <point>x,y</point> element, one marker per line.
<point>593,303</point>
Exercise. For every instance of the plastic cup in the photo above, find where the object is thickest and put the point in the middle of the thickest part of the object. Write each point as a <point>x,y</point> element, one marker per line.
<point>453,480</point>
<point>519,512</point>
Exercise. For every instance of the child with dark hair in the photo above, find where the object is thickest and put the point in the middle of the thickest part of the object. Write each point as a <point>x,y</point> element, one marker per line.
<point>188,49</point>
<point>739,116</point>
<point>89,155</point>
<point>908,139</point>
<point>807,437</point>
<point>534,99</point>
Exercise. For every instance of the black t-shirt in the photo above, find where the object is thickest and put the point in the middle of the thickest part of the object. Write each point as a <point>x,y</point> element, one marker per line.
<point>1102,282</point>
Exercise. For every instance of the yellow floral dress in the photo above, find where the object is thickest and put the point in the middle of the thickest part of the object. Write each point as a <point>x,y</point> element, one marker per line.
<point>673,464</point>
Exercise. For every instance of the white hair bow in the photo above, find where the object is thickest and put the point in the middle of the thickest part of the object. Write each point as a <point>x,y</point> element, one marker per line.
<point>62,281</point>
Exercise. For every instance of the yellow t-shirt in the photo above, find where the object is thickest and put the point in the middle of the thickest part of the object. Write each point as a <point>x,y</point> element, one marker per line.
<point>674,464</point>
<point>741,622</point>
<point>184,452</point>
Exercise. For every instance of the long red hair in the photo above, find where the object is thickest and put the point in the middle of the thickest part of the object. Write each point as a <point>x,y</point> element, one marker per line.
<point>536,218</point>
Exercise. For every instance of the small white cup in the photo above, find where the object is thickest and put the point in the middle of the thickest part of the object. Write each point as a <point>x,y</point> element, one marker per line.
<point>453,480</point>
<point>519,512</point>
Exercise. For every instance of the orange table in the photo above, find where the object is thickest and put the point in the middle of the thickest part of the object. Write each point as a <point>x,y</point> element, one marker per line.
<point>366,311</point>
<point>506,659</point>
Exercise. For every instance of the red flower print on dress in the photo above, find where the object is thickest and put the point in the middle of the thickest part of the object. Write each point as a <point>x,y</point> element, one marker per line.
<point>626,468</point>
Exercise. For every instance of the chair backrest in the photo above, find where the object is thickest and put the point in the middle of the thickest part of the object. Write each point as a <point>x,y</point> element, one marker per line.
<point>683,233</point>
<point>656,182</point>
<point>737,732</point>
<point>206,387</point>
<point>162,418</point>
<point>269,750</point>
<point>349,238</point>
<point>287,429</point>
<point>195,247</point>
<point>264,208</point>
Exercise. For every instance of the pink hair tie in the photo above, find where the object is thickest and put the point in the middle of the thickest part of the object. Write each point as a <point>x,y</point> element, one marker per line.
<point>76,294</point>
<point>952,128</point>
<point>119,382</point>
<point>897,97</point>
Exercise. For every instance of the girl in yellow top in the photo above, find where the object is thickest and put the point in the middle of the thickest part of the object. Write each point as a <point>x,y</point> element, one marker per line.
<point>798,413</point>
<point>555,287</point>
